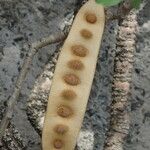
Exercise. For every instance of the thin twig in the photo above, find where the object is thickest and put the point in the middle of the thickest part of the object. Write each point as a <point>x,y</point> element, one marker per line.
<point>13,100</point>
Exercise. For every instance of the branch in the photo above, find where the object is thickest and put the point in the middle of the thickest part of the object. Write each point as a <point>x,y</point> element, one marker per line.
<point>123,65</point>
<point>13,100</point>
<point>119,117</point>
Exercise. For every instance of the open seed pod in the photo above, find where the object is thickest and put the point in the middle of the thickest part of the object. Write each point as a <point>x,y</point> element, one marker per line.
<point>73,79</point>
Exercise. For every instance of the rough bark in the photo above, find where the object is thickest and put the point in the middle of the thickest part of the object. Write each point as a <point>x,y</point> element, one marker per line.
<point>120,119</point>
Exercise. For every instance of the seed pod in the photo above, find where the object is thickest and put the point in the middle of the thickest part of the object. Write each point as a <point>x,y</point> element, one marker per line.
<point>72,80</point>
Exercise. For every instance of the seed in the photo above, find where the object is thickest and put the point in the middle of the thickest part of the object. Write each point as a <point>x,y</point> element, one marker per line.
<point>91,18</point>
<point>86,33</point>
<point>71,79</point>
<point>79,50</point>
<point>61,129</point>
<point>75,64</point>
<point>64,111</point>
<point>58,144</point>
<point>69,94</point>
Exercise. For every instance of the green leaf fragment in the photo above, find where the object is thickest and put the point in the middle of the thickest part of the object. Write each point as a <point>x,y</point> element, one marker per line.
<point>108,2</point>
<point>135,3</point>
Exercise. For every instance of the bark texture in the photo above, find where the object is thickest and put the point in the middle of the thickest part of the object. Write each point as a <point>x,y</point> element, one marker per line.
<point>123,65</point>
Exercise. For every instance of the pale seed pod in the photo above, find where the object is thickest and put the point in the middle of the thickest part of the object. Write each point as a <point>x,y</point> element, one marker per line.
<point>73,79</point>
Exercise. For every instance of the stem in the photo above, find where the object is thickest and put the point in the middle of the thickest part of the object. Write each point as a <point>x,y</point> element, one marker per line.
<point>123,65</point>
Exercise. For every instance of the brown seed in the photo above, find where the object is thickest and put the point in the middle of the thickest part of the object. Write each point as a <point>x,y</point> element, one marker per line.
<point>61,129</point>
<point>71,79</point>
<point>91,18</point>
<point>75,64</point>
<point>64,111</point>
<point>86,33</point>
<point>79,50</point>
<point>58,144</point>
<point>68,94</point>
